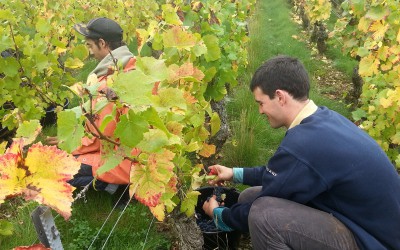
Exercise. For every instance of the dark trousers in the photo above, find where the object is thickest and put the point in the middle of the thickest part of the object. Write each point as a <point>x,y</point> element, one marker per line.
<point>282,224</point>
<point>85,176</point>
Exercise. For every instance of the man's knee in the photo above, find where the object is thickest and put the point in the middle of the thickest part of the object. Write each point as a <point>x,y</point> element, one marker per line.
<point>249,194</point>
<point>265,208</point>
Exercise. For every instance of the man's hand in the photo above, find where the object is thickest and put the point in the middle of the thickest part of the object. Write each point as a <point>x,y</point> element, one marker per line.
<point>51,140</point>
<point>209,205</point>
<point>222,174</point>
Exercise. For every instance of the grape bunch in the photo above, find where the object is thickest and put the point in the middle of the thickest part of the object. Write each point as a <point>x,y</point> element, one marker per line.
<point>205,223</point>
<point>220,194</point>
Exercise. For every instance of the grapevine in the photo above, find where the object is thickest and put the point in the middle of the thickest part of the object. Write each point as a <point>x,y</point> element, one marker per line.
<point>370,31</point>
<point>198,49</point>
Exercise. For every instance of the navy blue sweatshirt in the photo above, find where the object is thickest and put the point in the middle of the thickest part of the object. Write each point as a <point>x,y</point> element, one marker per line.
<point>328,163</point>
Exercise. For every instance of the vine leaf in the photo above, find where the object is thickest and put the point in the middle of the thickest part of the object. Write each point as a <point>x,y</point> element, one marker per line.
<point>189,203</point>
<point>153,118</point>
<point>207,150</point>
<point>215,123</point>
<point>153,140</point>
<point>109,163</point>
<point>131,128</point>
<point>368,66</point>
<point>151,178</point>
<point>170,98</point>
<point>158,211</point>
<point>75,63</point>
<point>152,67</point>
<point>29,130</point>
<point>396,138</point>
<point>10,173</point>
<point>377,12</point>
<point>39,246</point>
<point>3,147</point>
<point>170,15</point>
<point>41,176</point>
<point>134,87</point>
<point>379,30</point>
<point>186,71</point>
<point>213,49</point>
<point>178,38</point>
<point>69,130</point>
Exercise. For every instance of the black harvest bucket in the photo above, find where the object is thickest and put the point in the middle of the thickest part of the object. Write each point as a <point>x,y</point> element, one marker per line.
<point>214,238</point>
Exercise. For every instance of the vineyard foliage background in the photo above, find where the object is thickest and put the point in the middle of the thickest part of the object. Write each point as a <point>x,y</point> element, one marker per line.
<point>187,57</point>
<point>369,31</point>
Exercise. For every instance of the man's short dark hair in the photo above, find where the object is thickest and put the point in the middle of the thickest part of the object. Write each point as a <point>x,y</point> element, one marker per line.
<point>111,45</point>
<point>285,73</point>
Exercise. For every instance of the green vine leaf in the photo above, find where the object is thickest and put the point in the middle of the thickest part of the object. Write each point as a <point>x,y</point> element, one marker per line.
<point>131,128</point>
<point>215,123</point>
<point>134,88</point>
<point>69,130</point>
<point>153,67</point>
<point>28,131</point>
<point>189,203</point>
<point>153,141</point>
<point>213,49</point>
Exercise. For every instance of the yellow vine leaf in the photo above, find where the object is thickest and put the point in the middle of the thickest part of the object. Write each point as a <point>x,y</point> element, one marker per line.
<point>383,53</point>
<point>177,37</point>
<point>142,36</point>
<point>398,36</point>
<point>41,176</point>
<point>368,66</point>
<point>3,146</point>
<point>363,24</point>
<point>207,150</point>
<point>386,66</point>
<point>385,102</point>
<point>185,71</point>
<point>158,212</point>
<point>396,138</point>
<point>379,29</point>
<point>75,63</point>
<point>10,173</point>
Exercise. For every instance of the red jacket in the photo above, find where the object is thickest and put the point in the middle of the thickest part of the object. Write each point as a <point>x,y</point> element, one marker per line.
<point>91,151</point>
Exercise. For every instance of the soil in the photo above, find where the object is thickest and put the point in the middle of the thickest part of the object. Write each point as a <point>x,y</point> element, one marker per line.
<point>331,83</point>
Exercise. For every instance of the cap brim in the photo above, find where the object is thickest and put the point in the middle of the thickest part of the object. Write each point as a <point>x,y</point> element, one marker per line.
<point>82,29</point>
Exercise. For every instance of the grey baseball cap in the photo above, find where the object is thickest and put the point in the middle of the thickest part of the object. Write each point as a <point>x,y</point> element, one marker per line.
<point>101,27</point>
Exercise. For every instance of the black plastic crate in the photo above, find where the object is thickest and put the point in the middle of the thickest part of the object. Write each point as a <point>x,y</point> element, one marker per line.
<point>216,239</point>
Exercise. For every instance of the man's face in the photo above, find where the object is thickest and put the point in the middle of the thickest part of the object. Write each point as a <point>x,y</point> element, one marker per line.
<point>99,50</point>
<point>272,108</point>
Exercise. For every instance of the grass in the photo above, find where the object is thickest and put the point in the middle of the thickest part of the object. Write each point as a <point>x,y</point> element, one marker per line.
<point>136,228</point>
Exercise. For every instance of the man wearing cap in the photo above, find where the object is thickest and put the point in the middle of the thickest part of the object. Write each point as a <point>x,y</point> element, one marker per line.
<point>104,40</point>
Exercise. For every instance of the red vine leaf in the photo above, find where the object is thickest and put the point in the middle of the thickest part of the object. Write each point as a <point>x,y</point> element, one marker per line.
<point>41,176</point>
<point>151,178</point>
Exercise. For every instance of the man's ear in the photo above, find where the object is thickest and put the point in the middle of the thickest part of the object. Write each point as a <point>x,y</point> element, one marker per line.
<point>281,95</point>
<point>102,43</point>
